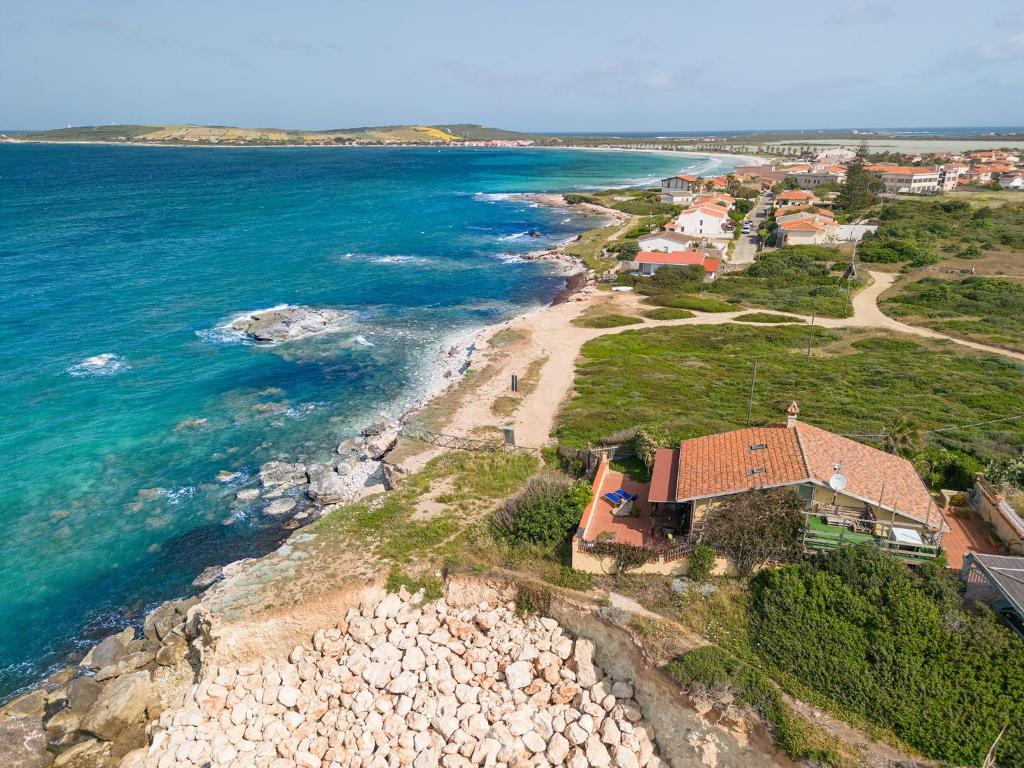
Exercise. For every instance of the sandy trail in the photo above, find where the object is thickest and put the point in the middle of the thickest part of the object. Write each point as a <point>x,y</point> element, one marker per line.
<point>550,333</point>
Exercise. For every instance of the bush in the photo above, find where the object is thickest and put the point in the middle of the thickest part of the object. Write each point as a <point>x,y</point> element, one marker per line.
<point>894,645</point>
<point>756,527</point>
<point>568,578</point>
<point>667,313</point>
<point>945,468</point>
<point>678,278</point>
<point>545,511</point>
<point>609,320</point>
<point>702,561</point>
<point>627,250</point>
<point>646,441</point>
<point>688,301</point>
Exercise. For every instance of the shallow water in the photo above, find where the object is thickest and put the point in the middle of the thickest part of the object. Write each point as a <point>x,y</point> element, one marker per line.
<point>123,398</point>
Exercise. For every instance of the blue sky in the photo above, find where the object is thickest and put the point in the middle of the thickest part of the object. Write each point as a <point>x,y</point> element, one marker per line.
<point>557,66</point>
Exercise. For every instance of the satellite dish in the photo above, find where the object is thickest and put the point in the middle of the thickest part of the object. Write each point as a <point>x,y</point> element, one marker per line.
<point>837,482</point>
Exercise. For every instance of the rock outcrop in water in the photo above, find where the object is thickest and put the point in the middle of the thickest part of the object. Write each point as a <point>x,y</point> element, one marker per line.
<point>273,326</point>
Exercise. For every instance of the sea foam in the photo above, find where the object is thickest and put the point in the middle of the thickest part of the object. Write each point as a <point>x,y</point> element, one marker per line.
<point>107,364</point>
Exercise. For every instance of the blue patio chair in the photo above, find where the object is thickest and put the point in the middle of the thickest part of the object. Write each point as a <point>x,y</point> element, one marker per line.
<point>626,495</point>
<point>615,498</point>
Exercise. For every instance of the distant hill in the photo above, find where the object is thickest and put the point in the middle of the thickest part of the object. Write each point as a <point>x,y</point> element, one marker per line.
<point>221,134</point>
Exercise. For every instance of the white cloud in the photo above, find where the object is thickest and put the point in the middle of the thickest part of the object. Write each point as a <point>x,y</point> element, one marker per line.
<point>1011,50</point>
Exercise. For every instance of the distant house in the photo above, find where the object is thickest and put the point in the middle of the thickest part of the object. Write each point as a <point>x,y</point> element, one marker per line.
<point>853,494</point>
<point>672,242</point>
<point>1014,180</point>
<point>949,175</point>
<point>906,179</point>
<point>762,175</point>
<point>680,189</point>
<point>811,177</point>
<point>793,197</point>
<point>649,262</point>
<point>804,231</point>
<point>706,219</point>
<point>715,198</point>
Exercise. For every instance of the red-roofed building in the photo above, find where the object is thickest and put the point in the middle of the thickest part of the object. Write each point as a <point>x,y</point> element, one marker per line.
<point>906,179</point>
<point>649,262</point>
<point>853,493</point>
<point>793,197</point>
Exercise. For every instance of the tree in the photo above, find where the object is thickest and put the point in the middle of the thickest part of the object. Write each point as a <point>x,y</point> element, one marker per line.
<point>756,527</point>
<point>789,182</point>
<point>861,189</point>
<point>628,250</point>
<point>902,437</point>
<point>646,442</point>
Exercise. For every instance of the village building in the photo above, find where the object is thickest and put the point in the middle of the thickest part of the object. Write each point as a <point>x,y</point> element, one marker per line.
<point>707,219</point>
<point>908,179</point>
<point>793,197</point>
<point>681,189</point>
<point>853,494</point>
<point>805,230</point>
<point>1013,180</point>
<point>811,177</point>
<point>764,176</point>
<point>949,175</point>
<point>649,262</point>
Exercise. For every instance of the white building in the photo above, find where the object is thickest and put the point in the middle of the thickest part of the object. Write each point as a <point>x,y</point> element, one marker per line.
<point>908,180</point>
<point>710,220</point>
<point>1014,180</point>
<point>647,263</point>
<point>674,242</point>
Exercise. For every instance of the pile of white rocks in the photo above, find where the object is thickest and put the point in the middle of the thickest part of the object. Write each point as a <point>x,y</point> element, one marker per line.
<point>403,683</point>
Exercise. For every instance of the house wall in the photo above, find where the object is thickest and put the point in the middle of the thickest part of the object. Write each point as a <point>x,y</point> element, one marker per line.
<point>662,244</point>
<point>994,509</point>
<point>699,224</point>
<point>803,237</point>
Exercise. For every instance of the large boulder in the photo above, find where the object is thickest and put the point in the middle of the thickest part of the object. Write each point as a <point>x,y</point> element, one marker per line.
<point>82,694</point>
<point>275,474</point>
<point>23,743</point>
<point>280,324</point>
<point>326,486</point>
<point>379,446</point>
<point>107,653</point>
<point>121,705</point>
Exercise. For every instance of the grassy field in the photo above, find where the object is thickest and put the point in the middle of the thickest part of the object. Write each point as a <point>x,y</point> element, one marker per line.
<point>798,279</point>
<point>696,381</point>
<point>922,232</point>
<point>989,310</point>
<point>691,301</point>
<point>599,317</point>
<point>765,317</point>
<point>668,313</point>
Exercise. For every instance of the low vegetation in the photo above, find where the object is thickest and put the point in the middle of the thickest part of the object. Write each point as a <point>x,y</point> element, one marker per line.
<point>852,384</point>
<point>765,317</point>
<point>668,313</point>
<point>985,309</point>
<point>689,301</point>
<point>544,512</point>
<point>919,232</point>
<point>602,319</point>
<point>894,645</point>
<point>796,278</point>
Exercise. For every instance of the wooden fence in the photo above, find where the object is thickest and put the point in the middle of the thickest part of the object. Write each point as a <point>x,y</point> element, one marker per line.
<point>459,443</point>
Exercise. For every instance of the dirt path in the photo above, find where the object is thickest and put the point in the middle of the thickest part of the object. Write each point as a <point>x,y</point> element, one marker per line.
<point>549,333</point>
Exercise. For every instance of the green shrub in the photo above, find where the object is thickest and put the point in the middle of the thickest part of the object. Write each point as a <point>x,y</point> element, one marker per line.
<point>668,313</point>
<point>627,250</point>
<point>893,644</point>
<point>714,667</point>
<point>687,301</point>
<point>765,317</point>
<point>946,468</point>
<point>432,587</point>
<point>702,561</point>
<point>532,600</point>
<point>545,511</point>
<point>686,278</point>
<point>569,578</point>
<point>610,320</point>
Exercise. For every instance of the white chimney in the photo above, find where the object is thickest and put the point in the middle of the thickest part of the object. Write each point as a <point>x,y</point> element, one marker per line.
<point>791,413</point>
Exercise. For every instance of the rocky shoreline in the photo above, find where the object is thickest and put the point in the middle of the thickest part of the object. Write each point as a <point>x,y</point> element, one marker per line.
<point>392,680</point>
<point>286,323</point>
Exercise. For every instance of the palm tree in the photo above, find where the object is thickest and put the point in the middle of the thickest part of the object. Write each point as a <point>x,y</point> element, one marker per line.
<point>901,435</point>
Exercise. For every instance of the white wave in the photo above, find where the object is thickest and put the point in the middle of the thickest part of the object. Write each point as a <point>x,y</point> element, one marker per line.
<point>363,341</point>
<point>511,258</point>
<point>107,364</point>
<point>516,236</point>
<point>221,336</point>
<point>495,197</point>
<point>400,260</point>
<point>304,409</point>
<point>567,219</point>
<point>178,495</point>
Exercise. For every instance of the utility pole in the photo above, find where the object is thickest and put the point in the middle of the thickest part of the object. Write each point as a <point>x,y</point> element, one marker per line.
<point>810,338</point>
<point>750,404</point>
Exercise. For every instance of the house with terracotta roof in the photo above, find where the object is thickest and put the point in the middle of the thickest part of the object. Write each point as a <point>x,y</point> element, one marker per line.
<point>793,197</point>
<point>705,219</point>
<point>681,189</point>
<point>649,262</point>
<point>853,494</point>
<point>909,179</point>
<point>814,176</point>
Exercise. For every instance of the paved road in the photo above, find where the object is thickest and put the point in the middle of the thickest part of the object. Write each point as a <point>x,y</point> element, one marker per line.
<point>746,246</point>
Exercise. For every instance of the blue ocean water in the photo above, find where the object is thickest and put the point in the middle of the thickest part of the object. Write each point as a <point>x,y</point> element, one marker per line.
<point>117,267</point>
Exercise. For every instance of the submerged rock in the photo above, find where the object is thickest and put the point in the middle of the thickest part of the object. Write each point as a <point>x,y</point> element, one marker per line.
<point>288,323</point>
<point>280,473</point>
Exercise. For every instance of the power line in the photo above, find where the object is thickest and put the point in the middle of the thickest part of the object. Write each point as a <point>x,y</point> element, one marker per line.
<point>975,424</point>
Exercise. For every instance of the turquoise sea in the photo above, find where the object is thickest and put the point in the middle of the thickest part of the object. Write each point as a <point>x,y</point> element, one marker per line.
<point>109,493</point>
